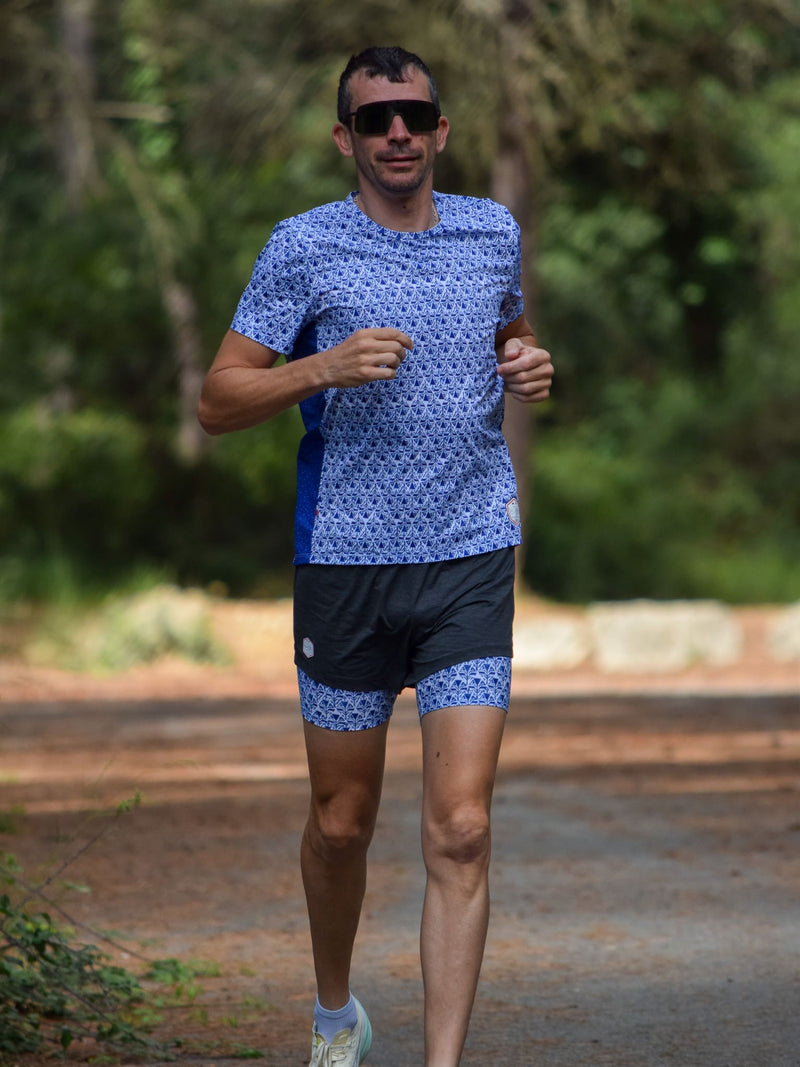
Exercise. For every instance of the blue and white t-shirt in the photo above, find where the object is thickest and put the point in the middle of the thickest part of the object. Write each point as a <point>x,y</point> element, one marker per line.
<point>414,469</point>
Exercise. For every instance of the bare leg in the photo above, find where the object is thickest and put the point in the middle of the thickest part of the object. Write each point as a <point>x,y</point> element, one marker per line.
<point>460,751</point>
<point>346,775</point>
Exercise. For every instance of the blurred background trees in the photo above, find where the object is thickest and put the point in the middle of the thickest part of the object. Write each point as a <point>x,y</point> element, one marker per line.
<point>649,151</point>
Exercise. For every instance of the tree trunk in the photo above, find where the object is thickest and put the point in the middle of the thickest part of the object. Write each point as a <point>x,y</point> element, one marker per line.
<point>181,308</point>
<point>75,136</point>
<point>512,184</point>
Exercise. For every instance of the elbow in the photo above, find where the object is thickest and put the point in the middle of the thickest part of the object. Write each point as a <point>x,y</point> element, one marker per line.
<point>209,419</point>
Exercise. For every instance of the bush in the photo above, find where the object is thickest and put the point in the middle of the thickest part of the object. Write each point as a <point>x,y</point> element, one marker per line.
<point>51,990</point>
<point>57,988</point>
<point>72,486</point>
<point>127,630</point>
<point>53,987</point>
<point>639,503</point>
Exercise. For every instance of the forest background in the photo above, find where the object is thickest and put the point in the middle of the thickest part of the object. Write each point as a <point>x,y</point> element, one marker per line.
<point>649,150</point>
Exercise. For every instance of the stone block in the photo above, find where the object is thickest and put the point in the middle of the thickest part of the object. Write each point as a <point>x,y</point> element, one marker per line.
<point>645,635</point>
<point>542,644</point>
<point>783,636</point>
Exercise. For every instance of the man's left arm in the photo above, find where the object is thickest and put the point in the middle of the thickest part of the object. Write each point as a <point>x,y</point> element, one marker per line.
<point>526,369</point>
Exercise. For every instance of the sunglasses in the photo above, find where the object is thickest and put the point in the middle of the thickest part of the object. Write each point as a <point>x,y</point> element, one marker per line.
<point>371,120</point>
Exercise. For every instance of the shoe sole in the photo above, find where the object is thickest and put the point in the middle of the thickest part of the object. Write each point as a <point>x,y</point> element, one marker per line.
<point>366,1037</point>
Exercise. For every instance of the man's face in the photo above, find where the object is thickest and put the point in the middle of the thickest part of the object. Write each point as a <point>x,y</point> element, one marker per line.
<point>398,162</point>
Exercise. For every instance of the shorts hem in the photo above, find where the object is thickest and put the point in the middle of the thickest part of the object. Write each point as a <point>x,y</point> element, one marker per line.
<point>370,685</point>
<point>354,685</point>
<point>478,683</point>
<point>466,704</point>
<point>333,708</point>
<point>443,662</point>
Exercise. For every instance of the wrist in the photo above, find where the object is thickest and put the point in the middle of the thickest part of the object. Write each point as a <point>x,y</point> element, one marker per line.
<point>318,371</point>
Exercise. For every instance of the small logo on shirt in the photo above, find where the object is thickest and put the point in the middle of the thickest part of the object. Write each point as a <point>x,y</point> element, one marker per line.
<point>308,647</point>
<point>512,507</point>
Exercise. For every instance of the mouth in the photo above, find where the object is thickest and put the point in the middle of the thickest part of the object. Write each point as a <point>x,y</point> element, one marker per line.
<point>398,160</point>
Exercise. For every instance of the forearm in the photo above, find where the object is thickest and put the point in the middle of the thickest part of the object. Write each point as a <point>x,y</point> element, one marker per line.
<point>238,397</point>
<point>244,386</point>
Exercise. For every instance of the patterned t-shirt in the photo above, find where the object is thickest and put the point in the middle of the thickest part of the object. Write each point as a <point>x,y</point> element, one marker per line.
<point>414,469</point>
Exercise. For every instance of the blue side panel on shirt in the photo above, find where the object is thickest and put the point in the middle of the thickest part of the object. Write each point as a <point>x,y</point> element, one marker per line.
<point>309,458</point>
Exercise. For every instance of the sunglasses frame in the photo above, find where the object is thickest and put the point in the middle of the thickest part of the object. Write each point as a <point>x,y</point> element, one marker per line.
<point>388,109</point>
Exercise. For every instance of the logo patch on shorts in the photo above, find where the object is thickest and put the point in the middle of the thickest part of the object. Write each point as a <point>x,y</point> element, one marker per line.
<point>308,647</point>
<point>512,507</point>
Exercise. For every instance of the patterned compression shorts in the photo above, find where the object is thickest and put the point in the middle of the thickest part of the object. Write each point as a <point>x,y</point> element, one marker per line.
<point>478,682</point>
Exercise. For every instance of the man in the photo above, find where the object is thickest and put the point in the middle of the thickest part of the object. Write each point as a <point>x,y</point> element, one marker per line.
<point>400,315</point>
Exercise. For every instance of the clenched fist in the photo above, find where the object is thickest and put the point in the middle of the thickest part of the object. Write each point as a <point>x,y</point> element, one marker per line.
<point>365,356</point>
<point>526,370</point>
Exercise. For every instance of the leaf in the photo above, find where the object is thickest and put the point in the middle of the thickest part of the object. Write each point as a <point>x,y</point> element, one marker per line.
<point>76,887</point>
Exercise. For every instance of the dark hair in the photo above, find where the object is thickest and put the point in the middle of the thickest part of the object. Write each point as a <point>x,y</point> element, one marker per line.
<point>390,63</point>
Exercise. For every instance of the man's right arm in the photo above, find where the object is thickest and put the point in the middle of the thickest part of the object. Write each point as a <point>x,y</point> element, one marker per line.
<point>244,386</point>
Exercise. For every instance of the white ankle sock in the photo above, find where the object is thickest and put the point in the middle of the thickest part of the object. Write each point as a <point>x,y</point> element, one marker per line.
<point>329,1023</point>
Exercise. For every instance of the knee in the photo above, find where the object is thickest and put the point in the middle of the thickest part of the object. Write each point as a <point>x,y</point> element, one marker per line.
<point>462,837</point>
<point>339,831</point>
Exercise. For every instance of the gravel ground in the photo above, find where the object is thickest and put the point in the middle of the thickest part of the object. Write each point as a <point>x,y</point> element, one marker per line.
<point>645,875</point>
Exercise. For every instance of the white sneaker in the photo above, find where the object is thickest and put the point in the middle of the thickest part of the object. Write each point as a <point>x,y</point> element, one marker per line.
<point>348,1048</point>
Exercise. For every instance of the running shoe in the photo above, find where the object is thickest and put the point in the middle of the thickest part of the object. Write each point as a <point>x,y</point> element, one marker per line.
<point>348,1048</point>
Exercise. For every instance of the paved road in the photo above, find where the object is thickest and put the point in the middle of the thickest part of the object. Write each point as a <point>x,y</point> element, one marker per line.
<point>645,879</point>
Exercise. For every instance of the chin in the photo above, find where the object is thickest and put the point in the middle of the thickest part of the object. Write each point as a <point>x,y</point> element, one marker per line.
<point>402,184</point>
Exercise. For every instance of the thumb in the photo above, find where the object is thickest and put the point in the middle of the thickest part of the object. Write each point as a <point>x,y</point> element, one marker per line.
<point>512,348</point>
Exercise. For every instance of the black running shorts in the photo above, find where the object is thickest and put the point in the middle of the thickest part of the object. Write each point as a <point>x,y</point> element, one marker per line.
<point>370,627</point>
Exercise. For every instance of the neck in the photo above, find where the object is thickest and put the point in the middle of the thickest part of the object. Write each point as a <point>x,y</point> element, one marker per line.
<point>406,214</point>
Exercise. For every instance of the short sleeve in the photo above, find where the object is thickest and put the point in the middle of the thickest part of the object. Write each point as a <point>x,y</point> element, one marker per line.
<point>274,307</point>
<point>512,304</point>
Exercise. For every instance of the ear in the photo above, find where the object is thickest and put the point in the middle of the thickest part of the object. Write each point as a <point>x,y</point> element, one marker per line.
<point>441,133</point>
<point>342,139</point>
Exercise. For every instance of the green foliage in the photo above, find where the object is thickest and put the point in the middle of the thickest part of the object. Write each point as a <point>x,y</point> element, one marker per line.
<point>639,502</point>
<point>52,988</point>
<point>140,179</point>
<point>607,293</point>
<point>126,630</point>
<point>178,978</point>
<point>71,485</point>
<point>9,819</point>
<point>57,987</point>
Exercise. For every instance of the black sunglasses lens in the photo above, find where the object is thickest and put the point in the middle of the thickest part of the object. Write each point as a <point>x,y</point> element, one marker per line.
<point>422,116</point>
<point>370,119</point>
<point>419,116</point>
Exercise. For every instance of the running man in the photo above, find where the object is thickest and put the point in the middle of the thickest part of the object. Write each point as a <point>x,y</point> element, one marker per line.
<point>401,319</point>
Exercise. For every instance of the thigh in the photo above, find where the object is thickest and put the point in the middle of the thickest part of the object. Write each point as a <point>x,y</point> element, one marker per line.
<point>345,770</point>
<point>460,749</point>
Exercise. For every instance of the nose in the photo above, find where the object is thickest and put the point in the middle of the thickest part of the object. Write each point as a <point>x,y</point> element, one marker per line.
<point>398,130</point>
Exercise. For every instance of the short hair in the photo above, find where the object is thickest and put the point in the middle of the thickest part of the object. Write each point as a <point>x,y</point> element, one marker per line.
<point>390,63</point>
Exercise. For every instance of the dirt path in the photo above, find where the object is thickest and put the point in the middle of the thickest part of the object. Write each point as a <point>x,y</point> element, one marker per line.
<point>646,869</point>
